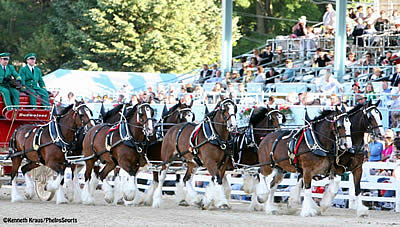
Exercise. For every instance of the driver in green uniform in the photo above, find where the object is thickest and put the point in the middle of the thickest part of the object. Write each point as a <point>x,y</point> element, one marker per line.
<point>10,95</point>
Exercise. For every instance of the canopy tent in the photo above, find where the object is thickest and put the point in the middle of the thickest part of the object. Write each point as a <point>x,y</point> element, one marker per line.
<point>88,83</point>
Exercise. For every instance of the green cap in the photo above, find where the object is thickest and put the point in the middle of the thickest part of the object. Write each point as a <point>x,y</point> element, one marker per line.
<point>29,56</point>
<point>4,55</point>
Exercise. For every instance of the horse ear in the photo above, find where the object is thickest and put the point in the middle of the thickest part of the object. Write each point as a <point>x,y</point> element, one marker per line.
<point>343,108</point>
<point>165,110</point>
<point>230,96</point>
<point>191,103</point>
<point>306,117</point>
<point>206,112</point>
<point>370,102</point>
<point>102,110</point>
<point>377,103</point>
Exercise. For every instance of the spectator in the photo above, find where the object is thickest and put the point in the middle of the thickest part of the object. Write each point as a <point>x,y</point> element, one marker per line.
<point>253,62</point>
<point>360,13</point>
<point>218,88</point>
<point>387,151</point>
<point>214,70</point>
<point>369,92</point>
<point>242,93</point>
<point>385,98</point>
<point>375,149</point>
<point>300,28</point>
<point>381,21</point>
<point>352,14</point>
<point>71,98</point>
<point>134,100</point>
<point>394,105</point>
<point>358,31</point>
<point>256,54</point>
<point>329,17</point>
<point>150,93</point>
<point>351,60</point>
<point>266,55</point>
<point>377,74</point>
<point>204,74</point>
<point>329,32</point>
<point>328,84</point>
<point>368,63</point>
<point>260,78</point>
<point>279,57</point>
<point>289,74</point>
<point>216,79</point>
<point>270,76</point>
<point>321,59</point>
<point>395,19</point>
<point>395,77</point>
<point>387,59</point>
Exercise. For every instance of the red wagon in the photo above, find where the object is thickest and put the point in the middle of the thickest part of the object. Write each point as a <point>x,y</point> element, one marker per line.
<point>9,121</point>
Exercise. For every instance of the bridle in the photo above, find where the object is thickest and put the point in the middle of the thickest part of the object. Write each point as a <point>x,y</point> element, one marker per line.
<point>181,113</point>
<point>139,117</point>
<point>222,107</point>
<point>367,116</point>
<point>269,115</point>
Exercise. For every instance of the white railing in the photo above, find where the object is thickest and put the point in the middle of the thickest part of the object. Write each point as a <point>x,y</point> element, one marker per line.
<point>348,186</point>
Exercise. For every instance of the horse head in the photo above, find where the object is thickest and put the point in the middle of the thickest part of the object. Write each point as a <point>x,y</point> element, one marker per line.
<point>228,110</point>
<point>82,115</point>
<point>343,128</point>
<point>179,113</point>
<point>275,117</point>
<point>374,119</point>
<point>144,117</point>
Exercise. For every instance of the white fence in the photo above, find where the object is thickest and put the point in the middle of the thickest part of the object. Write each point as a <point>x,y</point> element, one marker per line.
<point>368,182</point>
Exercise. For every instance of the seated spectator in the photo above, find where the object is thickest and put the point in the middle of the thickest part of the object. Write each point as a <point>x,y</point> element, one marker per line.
<point>321,59</point>
<point>134,100</point>
<point>214,70</point>
<point>385,97</point>
<point>266,55</point>
<point>205,74</point>
<point>375,149</point>
<point>260,78</point>
<point>395,79</point>
<point>253,62</point>
<point>328,84</point>
<point>377,75</point>
<point>369,92</point>
<point>351,60</point>
<point>279,57</point>
<point>368,62</point>
<point>389,139</point>
<point>289,74</point>
<point>270,76</point>
<point>329,32</point>
<point>358,31</point>
<point>218,88</point>
<point>394,105</point>
<point>248,77</point>
<point>241,94</point>
<point>230,89</point>
<point>381,21</point>
<point>351,13</point>
<point>300,29</point>
<point>216,79</point>
<point>334,100</point>
<point>387,59</point>
<point>256,54</point>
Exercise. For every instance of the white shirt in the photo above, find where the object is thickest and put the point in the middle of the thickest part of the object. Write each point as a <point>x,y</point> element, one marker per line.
<point>31,67</point>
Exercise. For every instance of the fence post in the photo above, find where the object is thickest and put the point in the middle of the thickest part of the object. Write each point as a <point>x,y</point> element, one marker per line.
<point>397,203</point>
<point>352,192</point>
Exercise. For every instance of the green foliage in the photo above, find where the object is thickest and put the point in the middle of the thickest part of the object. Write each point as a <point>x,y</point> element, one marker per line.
<point>149,36</point>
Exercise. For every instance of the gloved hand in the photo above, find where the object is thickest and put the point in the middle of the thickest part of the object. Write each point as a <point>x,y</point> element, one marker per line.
<point>19,84</point>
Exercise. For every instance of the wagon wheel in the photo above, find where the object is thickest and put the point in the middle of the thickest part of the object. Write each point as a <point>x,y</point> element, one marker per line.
<point>41,175</point>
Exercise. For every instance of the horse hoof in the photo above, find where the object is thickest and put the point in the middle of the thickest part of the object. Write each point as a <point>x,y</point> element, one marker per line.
<point>183,203</point>
<point>224,207</point>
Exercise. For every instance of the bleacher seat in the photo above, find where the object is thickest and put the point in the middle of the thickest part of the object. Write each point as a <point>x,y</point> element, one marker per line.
<point>255,87</point>
<point>208,87</point>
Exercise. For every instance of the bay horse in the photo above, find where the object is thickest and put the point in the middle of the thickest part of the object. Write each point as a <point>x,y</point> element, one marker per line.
<point>313,149</point>
<point>203,144</point>
<point>121,144</point>
<point>263,120</point>
<point>364,118</point>
<point>48,145</point>
<point>179,113</point>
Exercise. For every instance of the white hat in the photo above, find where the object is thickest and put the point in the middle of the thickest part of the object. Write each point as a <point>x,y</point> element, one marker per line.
<point>303,19</point>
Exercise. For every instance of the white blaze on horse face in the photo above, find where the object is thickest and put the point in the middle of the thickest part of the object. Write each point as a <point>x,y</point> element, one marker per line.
<point>150,127</point>
<point>280,118</point>
<point>375,113</point>
<point>232,118</point>
<point>347,126</point>
<point>189,117</point>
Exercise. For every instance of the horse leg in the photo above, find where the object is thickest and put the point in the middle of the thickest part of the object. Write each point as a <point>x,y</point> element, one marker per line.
<point>87,194</point>
<point>294,196</point>
<point>361,209</point>
<point>128,184</point>
<point>16,163</point>
<point>249,187</point>
<point>108,190</point>
<point>263,187</point>
<point>157,197</point>
<point>270,207</point>
<point>191,196</point>
<point>330,193</point>
<point>148,197</point>
<point>309,207</point>
<point>30,185</point>
<point>214,191</point>
<point>57,184</point>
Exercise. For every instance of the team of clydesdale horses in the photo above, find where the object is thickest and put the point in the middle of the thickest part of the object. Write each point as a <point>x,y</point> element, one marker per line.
<point>129,137</point>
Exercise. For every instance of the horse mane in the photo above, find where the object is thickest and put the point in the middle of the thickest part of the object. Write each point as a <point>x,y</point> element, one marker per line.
<point>355,109</point>
<point>65,110</point>
<point>258,115</point>
<point>172,109</point>
<point>131,112</point>
<point>323,114</point>
<point>113,111</point>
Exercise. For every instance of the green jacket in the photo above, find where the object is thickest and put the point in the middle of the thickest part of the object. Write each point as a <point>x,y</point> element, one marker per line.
<point>31,80</point>
<point>10,70</point>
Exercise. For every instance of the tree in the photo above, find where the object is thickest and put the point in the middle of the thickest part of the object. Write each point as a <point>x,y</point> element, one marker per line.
<point>134,35</point>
